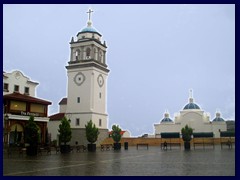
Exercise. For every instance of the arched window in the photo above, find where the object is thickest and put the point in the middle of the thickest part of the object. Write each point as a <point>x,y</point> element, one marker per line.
<point>95,54</point>
<point>88,52</point>
<point>77,55</point>
<point>100,56</point>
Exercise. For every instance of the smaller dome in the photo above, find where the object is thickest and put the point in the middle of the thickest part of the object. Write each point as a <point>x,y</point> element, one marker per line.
<point>218,118</point>
<point>166,120</point>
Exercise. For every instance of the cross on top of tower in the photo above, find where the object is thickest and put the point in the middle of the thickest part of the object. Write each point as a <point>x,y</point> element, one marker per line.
<point>89,14</point>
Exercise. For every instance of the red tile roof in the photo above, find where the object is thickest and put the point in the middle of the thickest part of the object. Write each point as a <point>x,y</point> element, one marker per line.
<point>26,98</point>
<point>56,117</point>
<point>63,101</point>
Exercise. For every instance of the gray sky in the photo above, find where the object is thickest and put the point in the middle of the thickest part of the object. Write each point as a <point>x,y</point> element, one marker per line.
<point>155,54</point>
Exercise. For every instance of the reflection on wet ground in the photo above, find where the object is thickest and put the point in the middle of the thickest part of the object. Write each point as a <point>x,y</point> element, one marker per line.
<point>131,162</point>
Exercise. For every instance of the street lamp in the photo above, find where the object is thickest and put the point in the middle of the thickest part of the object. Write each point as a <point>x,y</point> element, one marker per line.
<point>6,118</point>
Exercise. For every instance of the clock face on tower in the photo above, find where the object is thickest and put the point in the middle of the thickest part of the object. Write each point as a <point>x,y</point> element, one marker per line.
<point>100,80</point>
<point>79,78</point>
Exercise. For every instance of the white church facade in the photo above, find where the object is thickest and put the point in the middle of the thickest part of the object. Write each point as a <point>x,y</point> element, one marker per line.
<point>193,116</point>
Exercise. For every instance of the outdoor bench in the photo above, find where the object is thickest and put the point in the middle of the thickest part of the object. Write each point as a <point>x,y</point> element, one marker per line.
<point>80,148</point>
<point>142,144</point>
<point>106,147</point>
<point>170,139</point>
<point>227,138</point>
<point>203,138</point>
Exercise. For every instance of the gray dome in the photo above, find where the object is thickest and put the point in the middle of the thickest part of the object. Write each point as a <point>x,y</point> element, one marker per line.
<point>218,119</point>
<point>191,106</point>
<point>166,119</point>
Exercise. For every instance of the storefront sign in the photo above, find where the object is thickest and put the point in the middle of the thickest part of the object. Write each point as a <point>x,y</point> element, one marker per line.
<point>23,113</point>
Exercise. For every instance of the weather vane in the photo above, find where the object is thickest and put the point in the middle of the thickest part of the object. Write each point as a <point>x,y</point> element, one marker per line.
<point>89,12</point>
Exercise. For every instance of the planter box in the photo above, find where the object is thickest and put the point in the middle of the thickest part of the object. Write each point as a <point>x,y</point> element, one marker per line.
<point>32,150</point>
<point>65,149</point>
<point>117,146</point>
<point>91,147</point>
<point>187,145</point>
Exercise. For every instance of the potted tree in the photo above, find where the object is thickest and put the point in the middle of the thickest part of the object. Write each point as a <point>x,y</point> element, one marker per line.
<point>65,135</point>
<point>31,136</point>
<point>92,135</point>
<point>187,136</point>
<point>116,135</point>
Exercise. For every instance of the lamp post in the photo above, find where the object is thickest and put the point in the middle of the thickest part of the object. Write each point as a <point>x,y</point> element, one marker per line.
<point>6,118</point>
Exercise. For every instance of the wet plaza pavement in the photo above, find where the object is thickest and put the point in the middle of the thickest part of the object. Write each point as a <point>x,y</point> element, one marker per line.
<point>131,162</point>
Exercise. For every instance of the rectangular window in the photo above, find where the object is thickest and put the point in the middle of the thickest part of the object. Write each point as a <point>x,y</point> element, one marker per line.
<point>17,106</point>
<point>77,122</point>
<point>100,122</point>
<point>16,88</point>
<point>5,87</point>
<point>37,108</point>
<point>78,100</point>
<point>26,90</point>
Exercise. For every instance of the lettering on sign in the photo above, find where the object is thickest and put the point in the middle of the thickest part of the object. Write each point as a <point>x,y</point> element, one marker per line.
<point>23,113</point>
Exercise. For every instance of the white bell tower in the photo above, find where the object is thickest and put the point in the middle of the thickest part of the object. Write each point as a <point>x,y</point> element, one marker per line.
<point>87,81</point>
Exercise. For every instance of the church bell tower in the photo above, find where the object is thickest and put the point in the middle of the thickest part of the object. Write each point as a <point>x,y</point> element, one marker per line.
<point>87,82</point>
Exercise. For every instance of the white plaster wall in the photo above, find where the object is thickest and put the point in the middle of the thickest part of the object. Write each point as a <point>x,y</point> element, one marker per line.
<point>62,108</point>
<point>53,127</point>
<point>22,81</point>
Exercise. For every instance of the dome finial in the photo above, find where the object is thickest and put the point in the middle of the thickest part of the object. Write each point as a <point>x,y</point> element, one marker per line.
<point>190,93</point>
<point>190,96</point>
<point>89,14</point>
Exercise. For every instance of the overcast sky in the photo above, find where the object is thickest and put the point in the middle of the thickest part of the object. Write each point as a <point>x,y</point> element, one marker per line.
<point>155,54</point>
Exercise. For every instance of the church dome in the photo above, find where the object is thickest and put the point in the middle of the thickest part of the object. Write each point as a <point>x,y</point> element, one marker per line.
<point>218,118</point>
<point>166,118</point>
<point>191,104</point>
<point>89,28</point>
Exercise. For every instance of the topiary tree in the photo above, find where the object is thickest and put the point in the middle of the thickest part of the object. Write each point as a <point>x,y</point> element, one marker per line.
<point>91,132</point>
<point>187,133</point>
<point>92,135</point>
<point>187,136</point>
<point>31,136</point>
<point>31,132</point>
<point>65,131</point>
<point>116,133</point>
